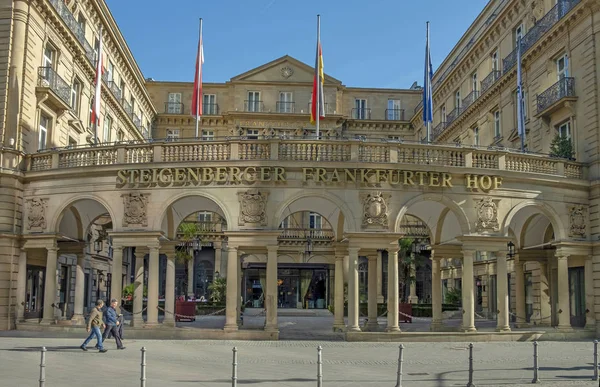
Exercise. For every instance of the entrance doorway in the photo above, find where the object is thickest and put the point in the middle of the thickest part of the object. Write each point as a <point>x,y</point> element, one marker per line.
<point>577,296</point>
<point>34,296</point>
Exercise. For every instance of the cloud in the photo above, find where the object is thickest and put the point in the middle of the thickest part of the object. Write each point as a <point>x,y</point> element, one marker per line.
<point>269,4</point>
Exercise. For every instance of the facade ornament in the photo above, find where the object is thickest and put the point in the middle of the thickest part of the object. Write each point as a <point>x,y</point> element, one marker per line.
<point>36,214</point>
<point>577,221</point>
<point>375,209</point>
<point>537,10</point>
<point>253,204</point>
<point>136,209</point>
<point>487,215</point>
<point>287,72</point>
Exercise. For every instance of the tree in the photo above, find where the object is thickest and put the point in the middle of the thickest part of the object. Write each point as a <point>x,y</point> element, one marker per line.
<point>218,290</point>
<point>408,265</point>
<point>562,146</point>
<point>188,232</point>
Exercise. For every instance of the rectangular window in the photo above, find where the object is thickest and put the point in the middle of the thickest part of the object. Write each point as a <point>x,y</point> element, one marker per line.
<point>395,138</point>
<point>562,67</point>
<point>476,136</point>
<point>96,48</point>
<point>285,104</point>
<point>285,223</point>
<point>49,56</point>
<point>253,103</point>
<point>172,134</point>
<point>45,123</point>
<point>497,129</point>
<point>474,82</point>
<point>209,104</point>
<point>252,134</point>
<point>81,22</point>
<point>110,71</point>
<point>174,104</point>
<point>518,33</point>
<point>208,135</point>
<point>495,61</point>
<point>394,111</point>
<point>457,100</point>
<point>107,129</point>
<point>564,129</point>
<point>444,113</point>
<point>360,109</point>
<point>120,135</point>
<point>204,217</point>
<point>315,221</point>
<point>132,102</point>
<point>72,142</point>
<point>76,96</point>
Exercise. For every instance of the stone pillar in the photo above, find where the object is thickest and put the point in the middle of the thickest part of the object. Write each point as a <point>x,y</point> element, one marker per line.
<point>545,317</point>
<point>191,265</point>
<point>520,293</point>
<point>50,285</point>
<point>170,291</point>
<point>412,295</point>
<point>372,324</point>
<point>232,289</point>
<point>78,317</point>
<point>564,311</point>
<point>436,294</point>
<point>380,299</point>
<point>138,288</point>
<point>338,303</point>
<point>21,286</point>
<point>153,267</point>
<point>393,292</point>
<point>271,293</point>
<point>240,288</point>
<point>590,317</point>
<point>353,305</point>
<point>218,252</point>
<point>502,324</point>
<point>116,284</point>
<point>468,299</point>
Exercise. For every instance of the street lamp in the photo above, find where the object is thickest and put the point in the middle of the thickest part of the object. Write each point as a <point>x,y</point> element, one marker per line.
<point>511,249</point>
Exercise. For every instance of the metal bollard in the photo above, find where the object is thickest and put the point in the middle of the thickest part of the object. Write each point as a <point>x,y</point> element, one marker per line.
<point>400,360</point>
<point>470,383</point>
<point>595,360</point>
<point>43,368</point>
<point>143,365</point>
<point>234,377</point>
<point>319,367</point>
<point>536,379</point>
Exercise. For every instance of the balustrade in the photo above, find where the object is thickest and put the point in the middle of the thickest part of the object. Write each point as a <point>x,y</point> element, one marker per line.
<point>314,151</point>
<point>212,151</point>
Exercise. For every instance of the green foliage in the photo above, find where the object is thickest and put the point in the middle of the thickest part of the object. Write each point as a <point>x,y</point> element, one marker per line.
<point>454,297</point>
<point>182,256</point>
<point>129,289</point>
<point>562,147</point>
<point>218,290</point>
<point>189,231</point>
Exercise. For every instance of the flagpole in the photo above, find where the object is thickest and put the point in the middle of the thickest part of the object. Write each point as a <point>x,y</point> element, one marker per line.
<point>428,85</point>
<point>318,96</point>
<point>98,79</point>
<point>520,116</point>
<point>198,75</point>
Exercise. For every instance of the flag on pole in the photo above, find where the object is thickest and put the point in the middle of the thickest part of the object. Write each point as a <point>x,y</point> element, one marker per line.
<point>427,89</point>
<point>98,85</point>
<point>196,98</point>
<point>317,93</point>
<point>520,99</point>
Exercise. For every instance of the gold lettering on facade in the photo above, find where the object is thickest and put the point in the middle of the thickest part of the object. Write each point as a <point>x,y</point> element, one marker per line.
<point>434,179</point>
<point>306,173</point>
<point>279,174</point>
<point>321,172</point>
<point>265,174</point>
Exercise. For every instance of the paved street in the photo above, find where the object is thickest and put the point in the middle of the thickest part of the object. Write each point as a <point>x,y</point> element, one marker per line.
<point>292,363</point>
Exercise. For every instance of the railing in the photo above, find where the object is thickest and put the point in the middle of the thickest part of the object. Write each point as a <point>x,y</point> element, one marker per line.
<point>485,160</point>
<point>394,114</point>
<point>306,233</point>
<point>127,107</point>
<point>426,155</point>
<point>173,108</point>
<point>313,151</point>
<point>361,114</point>
<point>254,151</point>
<point>137,121</point>
<point>438,130</point>
<point>521,163</point>
<point>284,107</point>
<point>490,80</point>
<point>211,151</point>
<point>115,90</point>
<point>72,24</point>
<point>453,115</point>
<point>469,99</point>
<point>47,77</point>
<point>139,155</point>
<point>253,106</point>
<point>210,109</point>
<point>374,153</point>
<point>87,158</point>
<point>561,89</point>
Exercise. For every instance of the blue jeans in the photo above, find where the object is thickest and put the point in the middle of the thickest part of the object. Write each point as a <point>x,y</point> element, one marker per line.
<point>94,332</point>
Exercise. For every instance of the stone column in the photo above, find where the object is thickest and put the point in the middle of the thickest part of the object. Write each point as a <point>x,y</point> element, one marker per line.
<point>170,291</point>
<point>372,324</point>
<point>50,286</point>
<point>240,288</point>
<point>502,324</point>
<point>564,310</point>
<point>153,267</point>
<point>21,286</point>
<point>232,289</point>
<point>412,295</point>
<point>138,288</point>
<point>393,292</point>
<point>116,284</point>
<point>218,252</point>
<point>78,317</point>
<point>590,318</point>
<point>271,293</point>
<point>436,294</point>
<point>191,265</point>
<point>338,303</point>
<point>545,317</point>
<point>468,299</point>
<point>380,277</point>
<point>520,293</point>
<point>353,300</point>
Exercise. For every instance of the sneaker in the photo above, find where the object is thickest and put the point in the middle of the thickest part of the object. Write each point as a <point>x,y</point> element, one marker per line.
<point>103,350</point>
<point>121,348</point>
<point>83,348</point>
<point>96,346</point>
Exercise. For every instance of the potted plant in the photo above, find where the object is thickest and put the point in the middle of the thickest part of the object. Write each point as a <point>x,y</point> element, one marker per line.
<point>562,146</point>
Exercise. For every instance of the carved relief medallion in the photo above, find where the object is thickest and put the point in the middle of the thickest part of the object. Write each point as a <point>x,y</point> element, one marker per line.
<point>375,209</point>
<point>487,215</point>
<point>252,208</point>
<point>36,214</point>
<point>136,212</point>
<point>577,221</point>
<point>287,72</point>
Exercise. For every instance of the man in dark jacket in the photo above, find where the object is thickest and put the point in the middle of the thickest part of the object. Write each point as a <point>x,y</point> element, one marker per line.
<point>112,324</point>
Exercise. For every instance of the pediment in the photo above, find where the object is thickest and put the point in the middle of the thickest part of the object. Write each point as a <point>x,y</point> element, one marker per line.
<point>284,69</point>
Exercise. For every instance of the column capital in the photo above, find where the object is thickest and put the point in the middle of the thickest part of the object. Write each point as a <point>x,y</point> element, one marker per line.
<point>272,248</point>
<point>467,252</point>
<point>52,249</point>
<point>153,248</point>
<point>562,256</point>
<point>372,258</point>
<point>339,257</point>
<point>353,250</point>
<point>217,245</point>
<point>232,247</point>
<point>393,250</point>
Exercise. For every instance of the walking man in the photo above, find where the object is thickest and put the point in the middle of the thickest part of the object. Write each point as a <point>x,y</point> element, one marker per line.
<point>112,324</point>
<point>93,327</point>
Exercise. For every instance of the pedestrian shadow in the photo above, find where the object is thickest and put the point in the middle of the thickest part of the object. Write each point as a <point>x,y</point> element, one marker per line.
<point>578,368</point>
<point>64,348</point>
<point>251,381</point>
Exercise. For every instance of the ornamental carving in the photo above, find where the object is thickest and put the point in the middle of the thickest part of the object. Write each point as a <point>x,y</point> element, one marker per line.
<point>253,204</point>
<point>537,10</point>
<point>577,221</point>
<point>136,211</point>
<point>487,215</point>
<point>375,209</point>
<point>36,214</point>
<point>287,72</point>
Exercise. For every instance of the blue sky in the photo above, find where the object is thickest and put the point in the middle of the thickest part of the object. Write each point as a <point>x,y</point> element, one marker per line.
<point>379,43</point>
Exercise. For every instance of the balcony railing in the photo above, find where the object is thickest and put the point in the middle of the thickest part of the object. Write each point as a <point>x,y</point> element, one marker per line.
<point>419,106</point>
<point>284,107</point>
<point>306,233</point>
<point>361,114</point>
<point>490,80</point>
<point>68,18</point>
<point>562,89</point>
<point>437,130</point>
<point>210,109</point>
<point>469,99</point>
<point>47,77</point>
<point>325,108</point>
<point>137,121</point>
<point>253,106</point>
<point>173,108</point>
<point>115,90</point>
<point>453,115</point>
<point>127,107</point>
<point>394,114</point>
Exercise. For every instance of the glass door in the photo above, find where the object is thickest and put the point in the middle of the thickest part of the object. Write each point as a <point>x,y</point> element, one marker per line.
<point>34,296</point>
<point>288,282</point>
<point>577,296</point>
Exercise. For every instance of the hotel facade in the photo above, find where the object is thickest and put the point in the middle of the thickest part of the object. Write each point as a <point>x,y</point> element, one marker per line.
<point>289,219</point>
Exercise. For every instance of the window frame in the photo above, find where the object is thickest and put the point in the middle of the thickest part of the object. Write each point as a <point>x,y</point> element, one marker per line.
<point>315,221</point>
<point>172,135</point>
<point>476,138</point>
<point>174,103</point>
<point>209,108</point>
<point>207,135</point>
<point>394,107</point>
<point>361,105</point>
<point>44,130</point>
<point>497,124</point>
<point>107,128</point>
<point>286,103</point>
<point>254,101</point>
<point>76,95</point>
<point>567,125</point>
<point>564,73</point>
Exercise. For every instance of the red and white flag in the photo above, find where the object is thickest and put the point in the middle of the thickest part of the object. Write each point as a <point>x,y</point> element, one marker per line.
<point>98,85</point>
<point>197,97</point>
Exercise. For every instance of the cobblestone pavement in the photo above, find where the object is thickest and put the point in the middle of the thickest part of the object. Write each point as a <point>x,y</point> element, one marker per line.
<point>292,363</point>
